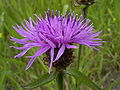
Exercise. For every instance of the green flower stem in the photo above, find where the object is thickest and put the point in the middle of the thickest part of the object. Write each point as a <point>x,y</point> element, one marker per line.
<point>59,80</point>
<point>84,13</point>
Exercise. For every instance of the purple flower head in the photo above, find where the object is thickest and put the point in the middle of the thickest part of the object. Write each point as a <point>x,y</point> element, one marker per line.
<point>55,31</point>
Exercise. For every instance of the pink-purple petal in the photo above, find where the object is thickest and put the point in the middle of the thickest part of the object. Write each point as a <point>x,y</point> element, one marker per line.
<point>20,41</point>
<point>22,53</point>
<point>41,51</point>
<point>30,62</point>
<point>48,41</point>
<point>38,53</point>
<point>60,52</point>
<point>51,58</point>
<point>71,46</point>
<point>19,48</point>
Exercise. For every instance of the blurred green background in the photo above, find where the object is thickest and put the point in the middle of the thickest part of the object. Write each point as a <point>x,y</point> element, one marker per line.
<point>101,67</point>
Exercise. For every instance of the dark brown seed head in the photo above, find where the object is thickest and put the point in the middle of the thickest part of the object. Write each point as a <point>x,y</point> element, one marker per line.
<point>64,61</point>
<point>85,2</point>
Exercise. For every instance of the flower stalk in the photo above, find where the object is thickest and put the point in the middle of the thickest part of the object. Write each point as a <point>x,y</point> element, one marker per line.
<point>84,11</point>
<point>59,80</point>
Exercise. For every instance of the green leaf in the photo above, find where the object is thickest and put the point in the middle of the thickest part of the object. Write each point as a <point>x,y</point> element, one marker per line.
<point>82,78</point>
<point>46,78</point>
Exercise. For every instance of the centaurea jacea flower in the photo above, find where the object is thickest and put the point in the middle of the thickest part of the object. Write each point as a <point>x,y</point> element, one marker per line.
<point>56,35</point>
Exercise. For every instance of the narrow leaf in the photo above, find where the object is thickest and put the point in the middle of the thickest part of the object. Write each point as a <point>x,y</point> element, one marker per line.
<point>46,78</point>
<point>83,79</point>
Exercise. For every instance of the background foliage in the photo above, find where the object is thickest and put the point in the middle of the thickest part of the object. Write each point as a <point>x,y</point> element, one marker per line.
<point>101,67</point>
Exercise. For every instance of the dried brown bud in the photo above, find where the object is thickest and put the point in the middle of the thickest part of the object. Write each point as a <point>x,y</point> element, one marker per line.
<point>85,2</point>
